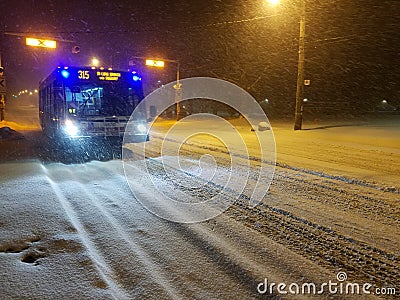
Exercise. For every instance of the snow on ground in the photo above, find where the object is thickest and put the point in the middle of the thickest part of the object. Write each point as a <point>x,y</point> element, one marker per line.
<point>329,178</point>
<point>6,133</point>
<point>18,126</point>
<point>364,150</point>
<point>75,231</point>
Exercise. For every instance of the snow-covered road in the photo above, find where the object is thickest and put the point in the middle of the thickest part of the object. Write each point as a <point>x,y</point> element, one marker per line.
<point>76,231</point>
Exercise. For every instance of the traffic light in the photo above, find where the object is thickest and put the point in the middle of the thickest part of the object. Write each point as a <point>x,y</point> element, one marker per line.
<point>41,43</point>
<point>76,49</point>
<point>155,63</point>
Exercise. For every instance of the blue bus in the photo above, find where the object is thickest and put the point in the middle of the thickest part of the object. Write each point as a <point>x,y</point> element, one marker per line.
<point>85,102</point>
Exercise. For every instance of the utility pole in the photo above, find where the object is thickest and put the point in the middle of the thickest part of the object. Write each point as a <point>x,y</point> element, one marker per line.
<point>2,92</point>
<point>298,117</point>
<point>178,92</point>
<point>2,107</point>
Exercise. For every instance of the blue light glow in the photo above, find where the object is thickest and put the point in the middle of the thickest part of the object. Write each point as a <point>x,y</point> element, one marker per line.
<point>65,74</point>
<point>136,78</point>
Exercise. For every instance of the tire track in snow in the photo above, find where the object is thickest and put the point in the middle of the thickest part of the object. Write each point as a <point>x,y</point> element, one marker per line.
<point>166,244</point>
<point>311,239</point>
<point>114,229</point>
<point>235,260</point>
<point>321,243</point>
<point>334,188</point>
<point>104,270</point>
<point>222,150</point>
<point>225,255</point>
<point>365,198</point>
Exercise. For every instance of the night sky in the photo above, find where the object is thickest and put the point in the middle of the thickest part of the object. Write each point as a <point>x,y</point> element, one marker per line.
<point>352,47</point>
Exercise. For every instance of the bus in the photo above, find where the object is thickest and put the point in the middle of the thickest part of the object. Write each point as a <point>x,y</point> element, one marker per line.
<point>88,103</point>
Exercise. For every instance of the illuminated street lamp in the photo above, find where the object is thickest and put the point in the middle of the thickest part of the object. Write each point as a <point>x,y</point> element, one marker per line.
<point>273,2</point>
<point>95,62</point>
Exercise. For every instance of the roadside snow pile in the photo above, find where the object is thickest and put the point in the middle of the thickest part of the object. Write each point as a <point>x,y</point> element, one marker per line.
<point>21,125</point>
<point>6,133</point>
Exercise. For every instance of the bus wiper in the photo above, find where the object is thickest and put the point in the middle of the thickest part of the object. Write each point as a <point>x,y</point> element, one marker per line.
<point>83,105</point>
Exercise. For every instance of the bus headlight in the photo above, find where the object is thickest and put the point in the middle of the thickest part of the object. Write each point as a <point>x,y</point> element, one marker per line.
<point>70,128</point>
<point>141,128</point>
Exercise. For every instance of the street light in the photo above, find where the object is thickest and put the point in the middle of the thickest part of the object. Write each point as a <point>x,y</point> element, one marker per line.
<point>95,62</point>
<point>160,63</point>
<point>273,2</point>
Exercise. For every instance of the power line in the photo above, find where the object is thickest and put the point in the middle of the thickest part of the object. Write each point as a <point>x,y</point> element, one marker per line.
<point>236,21</point>
<point>21,33</point>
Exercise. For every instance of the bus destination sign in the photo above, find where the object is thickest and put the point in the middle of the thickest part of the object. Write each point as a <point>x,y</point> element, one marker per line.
<point>109,76</point>
<point>101,75</point>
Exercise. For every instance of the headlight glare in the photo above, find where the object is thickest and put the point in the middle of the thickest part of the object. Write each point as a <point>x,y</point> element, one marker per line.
<point>70,128</point>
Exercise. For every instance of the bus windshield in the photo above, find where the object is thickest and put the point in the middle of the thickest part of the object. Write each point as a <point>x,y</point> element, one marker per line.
<point>100,100</point>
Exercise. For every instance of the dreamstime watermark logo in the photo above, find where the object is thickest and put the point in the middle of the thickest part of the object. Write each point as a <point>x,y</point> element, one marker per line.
<point>178,186</point>
<point>340,286</point>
